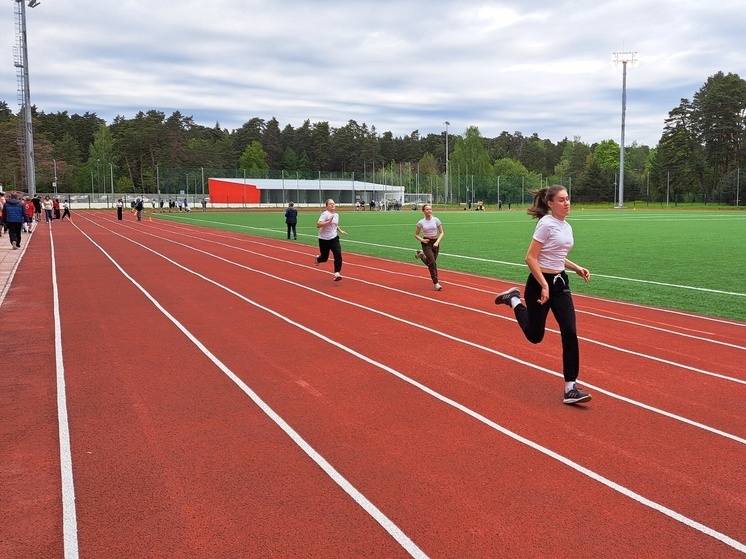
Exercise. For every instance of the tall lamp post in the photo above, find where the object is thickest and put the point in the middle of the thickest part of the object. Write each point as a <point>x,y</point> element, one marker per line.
<point>623,58</point>
<point>445,190</point>
<point>54,183</point>
<point>25,93</point>
<point>111,168</point>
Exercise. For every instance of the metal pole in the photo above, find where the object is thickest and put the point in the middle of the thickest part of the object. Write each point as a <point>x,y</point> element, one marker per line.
<point>111,168</point>
<point>54,184</point>
<point>623,58</point>
<point>621,149</point>
<point>445,189</point>
<point>28,124</point>
<point>738,186</point>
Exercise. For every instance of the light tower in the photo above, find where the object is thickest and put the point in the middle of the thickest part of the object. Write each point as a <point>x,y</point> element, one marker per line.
<point>26,139</point>
<point>623,58</point>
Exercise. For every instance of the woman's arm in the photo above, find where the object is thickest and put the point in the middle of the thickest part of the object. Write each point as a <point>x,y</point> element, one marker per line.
<point>440,235</point>
<point>417,231</point>
<point>532,259</point>
<point>582,272</point>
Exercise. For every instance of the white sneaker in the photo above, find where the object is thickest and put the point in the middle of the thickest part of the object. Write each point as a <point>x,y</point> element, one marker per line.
<point>438,287</point>
<point>337,276</point>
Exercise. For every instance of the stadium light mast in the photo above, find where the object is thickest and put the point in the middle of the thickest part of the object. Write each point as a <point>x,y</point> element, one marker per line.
<point>623,58</point>
<point>21,63</point>
<point>445,190</point>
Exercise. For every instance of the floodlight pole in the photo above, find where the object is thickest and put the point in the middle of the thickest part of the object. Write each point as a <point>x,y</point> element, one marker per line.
<point>22,64</point>
<point>623,58</point>
<point>445,190</point>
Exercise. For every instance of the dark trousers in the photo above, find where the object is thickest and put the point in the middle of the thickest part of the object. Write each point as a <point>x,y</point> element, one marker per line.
<point>431,257</point>
<point>14,232</point>
<point>532,317</point>
<point>291,227</point>
<point>336,249</point>
<point>119,213</point>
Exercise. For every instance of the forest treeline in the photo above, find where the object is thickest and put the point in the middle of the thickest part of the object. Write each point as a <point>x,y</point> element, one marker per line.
<point>698,158</point>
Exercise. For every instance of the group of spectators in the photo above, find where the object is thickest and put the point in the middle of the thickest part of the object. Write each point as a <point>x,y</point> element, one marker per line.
<point>18,213</point>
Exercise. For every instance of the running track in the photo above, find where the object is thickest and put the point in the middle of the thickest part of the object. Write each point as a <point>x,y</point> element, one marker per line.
<point>172,391</point>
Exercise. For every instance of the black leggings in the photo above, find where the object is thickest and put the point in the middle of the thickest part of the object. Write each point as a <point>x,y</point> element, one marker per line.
<point>532,317</point>
<point>335,248</point>
<point>291,228</point>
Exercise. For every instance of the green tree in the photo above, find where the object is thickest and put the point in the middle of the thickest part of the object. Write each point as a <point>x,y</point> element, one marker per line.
<point>718,115</point>
<point>680,159</point>
<point>289,160</point>
<point>606,156</point>
<point>507,167</point>
<point>254,159</point>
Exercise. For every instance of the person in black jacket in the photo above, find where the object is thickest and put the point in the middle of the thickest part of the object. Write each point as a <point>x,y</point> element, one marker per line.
<point>13,213</point>
<point>138,208</point>
<point>291,219</point>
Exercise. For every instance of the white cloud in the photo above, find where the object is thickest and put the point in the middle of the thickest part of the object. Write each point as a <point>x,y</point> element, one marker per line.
<point>542,66</point>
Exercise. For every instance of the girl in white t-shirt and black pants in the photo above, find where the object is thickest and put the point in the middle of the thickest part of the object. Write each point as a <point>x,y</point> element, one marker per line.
<point>328,226</point>
<point>548,287</point>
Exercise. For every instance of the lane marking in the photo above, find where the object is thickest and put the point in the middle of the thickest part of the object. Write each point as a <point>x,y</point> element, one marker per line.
<point>69,514</point>
<point>702,528</point>
<point>614,395</point>
<point>393,530</point>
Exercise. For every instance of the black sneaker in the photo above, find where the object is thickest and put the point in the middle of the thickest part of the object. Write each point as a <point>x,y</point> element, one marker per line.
<point>419,254</point>
<point>576,396</point>
<point>316,260</point>
<point>505,297</point>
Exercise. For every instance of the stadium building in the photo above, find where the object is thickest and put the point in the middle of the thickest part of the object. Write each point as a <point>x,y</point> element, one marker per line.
<point>303,192</point>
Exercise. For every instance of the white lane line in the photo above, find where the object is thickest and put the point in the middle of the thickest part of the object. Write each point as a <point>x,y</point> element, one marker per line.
<point>69,515</point>
<point>702,528</point>
<point>642,405</point>
<point>338,478</point>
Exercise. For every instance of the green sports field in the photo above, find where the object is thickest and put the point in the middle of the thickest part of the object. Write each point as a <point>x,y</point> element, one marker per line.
<point>685,260</point>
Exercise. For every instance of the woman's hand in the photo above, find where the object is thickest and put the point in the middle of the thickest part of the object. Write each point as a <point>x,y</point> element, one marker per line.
<point>583,273</point>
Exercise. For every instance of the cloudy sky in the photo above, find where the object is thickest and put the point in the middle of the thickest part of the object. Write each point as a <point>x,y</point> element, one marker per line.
<point>531,66</point>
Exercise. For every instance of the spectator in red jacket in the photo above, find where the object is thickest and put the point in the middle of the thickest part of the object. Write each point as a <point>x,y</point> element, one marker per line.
<point>28,217</point>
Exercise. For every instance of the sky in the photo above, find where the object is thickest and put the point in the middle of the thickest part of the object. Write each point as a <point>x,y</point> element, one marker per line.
<point>528,66</point>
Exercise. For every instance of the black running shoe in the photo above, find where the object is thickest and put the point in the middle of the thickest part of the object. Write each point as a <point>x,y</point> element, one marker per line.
<point>576,396</point>
<point>505,297</point>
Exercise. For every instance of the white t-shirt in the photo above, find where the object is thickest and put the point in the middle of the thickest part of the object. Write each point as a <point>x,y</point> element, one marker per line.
<point>328,232</point>
<point>556,239</point>
<point>429,227</point>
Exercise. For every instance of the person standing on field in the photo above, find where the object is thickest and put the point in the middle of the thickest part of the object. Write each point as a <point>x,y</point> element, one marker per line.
<point>291,219</point>
<point>138,209</point>
<point>328,226</point>
<point>28,218</point>
<point>13,216</point>
<point>548,286</point>
<point>48,206</point>
<point>429,232</point>
<point>66,211</point>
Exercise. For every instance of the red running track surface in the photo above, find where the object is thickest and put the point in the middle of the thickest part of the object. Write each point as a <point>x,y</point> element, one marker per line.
<point>225,398</point>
